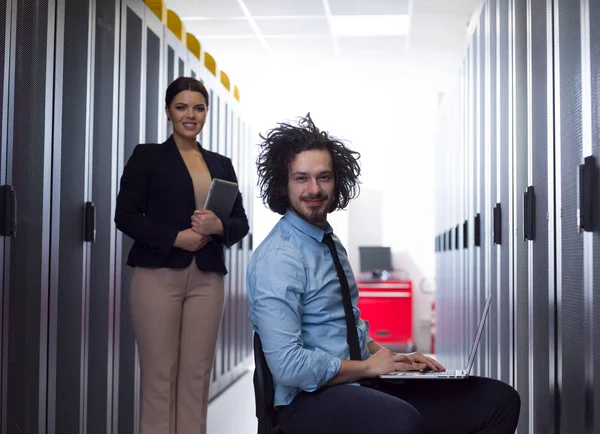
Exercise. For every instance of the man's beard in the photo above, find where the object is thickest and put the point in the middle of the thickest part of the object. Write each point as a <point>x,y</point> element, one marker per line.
<point>313,216</point>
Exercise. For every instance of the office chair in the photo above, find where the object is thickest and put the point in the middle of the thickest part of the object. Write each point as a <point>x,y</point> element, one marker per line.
<point>264,393</point>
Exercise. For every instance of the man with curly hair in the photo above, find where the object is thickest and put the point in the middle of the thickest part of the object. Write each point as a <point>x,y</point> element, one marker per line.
<point>303,296</point>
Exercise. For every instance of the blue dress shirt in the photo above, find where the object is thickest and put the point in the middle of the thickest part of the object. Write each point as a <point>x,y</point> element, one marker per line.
<point>296,307</point>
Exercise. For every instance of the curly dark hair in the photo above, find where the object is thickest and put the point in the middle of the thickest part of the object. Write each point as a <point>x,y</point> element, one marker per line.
<point>281,145</point>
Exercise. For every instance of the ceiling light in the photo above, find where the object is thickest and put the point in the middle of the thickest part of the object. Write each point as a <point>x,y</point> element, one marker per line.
<point>370,25</point>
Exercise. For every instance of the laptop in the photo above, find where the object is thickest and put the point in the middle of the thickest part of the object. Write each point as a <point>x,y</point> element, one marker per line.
<point>448,374</point>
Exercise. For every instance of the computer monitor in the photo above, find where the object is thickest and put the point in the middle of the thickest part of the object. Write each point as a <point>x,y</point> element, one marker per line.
<point>375,259</point>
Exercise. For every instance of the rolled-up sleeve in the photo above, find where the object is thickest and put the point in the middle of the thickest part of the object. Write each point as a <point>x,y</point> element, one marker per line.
<point>365,338</point>
<point>276,285</point>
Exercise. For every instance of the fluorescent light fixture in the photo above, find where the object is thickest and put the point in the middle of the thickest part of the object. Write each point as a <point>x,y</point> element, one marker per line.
<point>256,17</point>
<point>370,25</point>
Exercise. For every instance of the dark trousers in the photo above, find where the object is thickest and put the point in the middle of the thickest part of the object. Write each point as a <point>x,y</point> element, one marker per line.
<point>473,405</point>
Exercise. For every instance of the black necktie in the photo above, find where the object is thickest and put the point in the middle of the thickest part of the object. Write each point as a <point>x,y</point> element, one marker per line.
<point>352,334</point>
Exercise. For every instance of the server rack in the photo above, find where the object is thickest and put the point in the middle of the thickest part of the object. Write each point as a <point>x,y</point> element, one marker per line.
<point>539,115</point>
<point>82,83</point>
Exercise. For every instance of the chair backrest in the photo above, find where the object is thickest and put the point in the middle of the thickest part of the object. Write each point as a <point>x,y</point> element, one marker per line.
<point>264,392</point>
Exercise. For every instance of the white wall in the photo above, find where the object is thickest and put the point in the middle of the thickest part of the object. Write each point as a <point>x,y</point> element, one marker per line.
<point>392,126</point>
<point>366,223</point>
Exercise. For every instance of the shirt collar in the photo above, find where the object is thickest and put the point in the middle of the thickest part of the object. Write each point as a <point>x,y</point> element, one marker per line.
<point>306,227</point>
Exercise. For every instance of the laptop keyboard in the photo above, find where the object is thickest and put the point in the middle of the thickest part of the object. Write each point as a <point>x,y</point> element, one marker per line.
<point>450,373</point>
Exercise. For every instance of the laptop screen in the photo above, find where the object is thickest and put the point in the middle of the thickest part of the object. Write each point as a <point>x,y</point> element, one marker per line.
<point>482,321</point>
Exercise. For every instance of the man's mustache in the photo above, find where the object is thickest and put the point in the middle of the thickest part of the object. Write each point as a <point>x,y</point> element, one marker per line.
<point>314,197</point>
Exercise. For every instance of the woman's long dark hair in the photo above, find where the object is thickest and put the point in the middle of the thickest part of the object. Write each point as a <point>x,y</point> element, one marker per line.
<point>281,145</point>
<point>185,83</point>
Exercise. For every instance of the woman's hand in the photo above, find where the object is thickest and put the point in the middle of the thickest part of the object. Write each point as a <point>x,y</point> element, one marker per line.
<point>190,240</point>
<point>205,222</point>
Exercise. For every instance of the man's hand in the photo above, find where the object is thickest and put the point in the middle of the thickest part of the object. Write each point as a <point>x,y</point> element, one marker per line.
<point>420,359</point>
<point>205,222</point>
<point>190,240</point>
<point>385,361</point>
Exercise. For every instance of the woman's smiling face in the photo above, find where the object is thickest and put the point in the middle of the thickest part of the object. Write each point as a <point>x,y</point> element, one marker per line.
<point>187,113</point>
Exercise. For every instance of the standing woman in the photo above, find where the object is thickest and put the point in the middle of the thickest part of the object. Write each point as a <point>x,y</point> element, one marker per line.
<point>177,287</point>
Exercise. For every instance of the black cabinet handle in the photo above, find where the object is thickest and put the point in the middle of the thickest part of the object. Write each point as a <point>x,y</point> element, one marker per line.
<point>465,234</point>
<point>497,224</point>
<point>450,239</point>
<point>588,195</point>
<point>250,242</point>
<point>456,236</point>
<point>529,214</point>
<point>477,228</point>
<point>437,243</point>
<point>8,213</point>
<point>89,225</point>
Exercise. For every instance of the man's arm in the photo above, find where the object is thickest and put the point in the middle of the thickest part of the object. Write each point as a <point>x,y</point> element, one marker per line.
<point>382,362</point>
<point>374,347</point>
<point>350,371</point>
<point>276,285</point>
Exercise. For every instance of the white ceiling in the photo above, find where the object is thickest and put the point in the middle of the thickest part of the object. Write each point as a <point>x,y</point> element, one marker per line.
<point>244,35</point>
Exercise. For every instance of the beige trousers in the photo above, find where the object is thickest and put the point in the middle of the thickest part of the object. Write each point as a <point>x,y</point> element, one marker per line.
<point>176,315</point>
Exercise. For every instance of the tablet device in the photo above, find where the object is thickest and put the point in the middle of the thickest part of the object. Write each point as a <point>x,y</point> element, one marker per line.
<point>220,198</point>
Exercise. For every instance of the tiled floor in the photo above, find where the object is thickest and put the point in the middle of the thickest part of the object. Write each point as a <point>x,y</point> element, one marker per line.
<point>232,412</point>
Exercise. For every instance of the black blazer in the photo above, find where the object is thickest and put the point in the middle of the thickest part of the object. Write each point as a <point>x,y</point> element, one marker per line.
<point>156,201</point>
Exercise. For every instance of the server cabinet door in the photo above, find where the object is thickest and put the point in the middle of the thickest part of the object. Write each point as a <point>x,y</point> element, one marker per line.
<point>571,360</point>
<point>460,216</point>
<point>248,186</point>
<point>224,342</point>
<point>28,263</point>
<point>480,186</point>
<point>593,302</point>
<point>520,181</point>
<point>457,215</point>
<point>453,212</point>
<point>463,220</point>
<point>475,148</point>
<point>101,373</point>
<point>221,120</point>
<point>176,54</point>
<point>126,369</point>
<point>503,288</point>
<point>241,164</point>
<point>441,169</point>
<point>232,315</point>
<point>197,71</point>
<point>541,149</point>
<point>154,90</point>
<point>70,194</point>
<point>5,72</point>
<point>208,131</point>
<point>470,197</point>
<point>490,350</point>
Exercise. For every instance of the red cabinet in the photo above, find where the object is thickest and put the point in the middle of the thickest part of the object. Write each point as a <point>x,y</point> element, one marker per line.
<point>387,307</point>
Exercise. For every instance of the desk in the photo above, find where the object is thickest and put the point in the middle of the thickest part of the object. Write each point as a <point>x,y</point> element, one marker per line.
<point>387,307</point>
